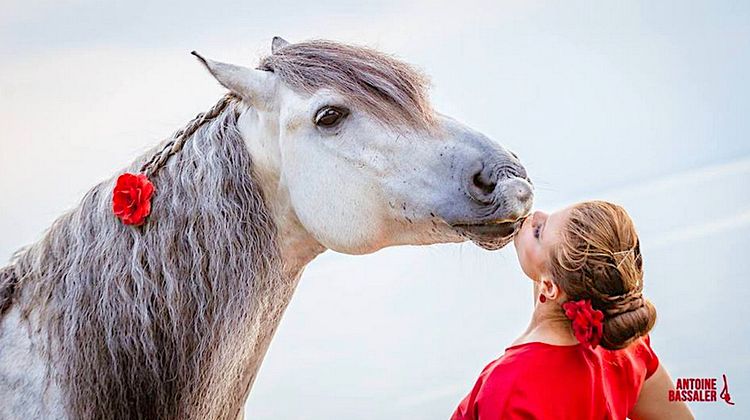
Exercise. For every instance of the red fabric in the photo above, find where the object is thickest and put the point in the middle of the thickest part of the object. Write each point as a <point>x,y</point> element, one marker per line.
<point>544,381</point>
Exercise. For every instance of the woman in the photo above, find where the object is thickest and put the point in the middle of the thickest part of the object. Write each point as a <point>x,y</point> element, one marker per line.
<point>586,353</point>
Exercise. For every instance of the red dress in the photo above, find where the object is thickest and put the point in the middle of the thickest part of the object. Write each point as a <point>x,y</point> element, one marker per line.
<point>545,381</point>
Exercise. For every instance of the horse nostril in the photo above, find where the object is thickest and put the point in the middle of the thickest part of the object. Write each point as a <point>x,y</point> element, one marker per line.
<point>523,193</point>
<point>487,186</point>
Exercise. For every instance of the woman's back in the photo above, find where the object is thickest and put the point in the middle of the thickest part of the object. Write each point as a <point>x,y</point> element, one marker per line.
<point>545,381</point>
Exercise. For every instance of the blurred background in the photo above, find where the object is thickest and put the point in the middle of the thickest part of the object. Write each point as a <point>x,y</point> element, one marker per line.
<point>642,103</point>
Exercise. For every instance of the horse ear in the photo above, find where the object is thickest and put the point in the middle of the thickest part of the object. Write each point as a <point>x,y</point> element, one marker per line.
<point>278,43</point>
<point>252,85</point>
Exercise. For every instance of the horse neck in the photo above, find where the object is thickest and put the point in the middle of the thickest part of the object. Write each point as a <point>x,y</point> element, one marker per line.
<point>85,257</point>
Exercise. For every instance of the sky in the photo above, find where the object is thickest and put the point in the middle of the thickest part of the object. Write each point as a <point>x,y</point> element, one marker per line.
<point>638,102</point>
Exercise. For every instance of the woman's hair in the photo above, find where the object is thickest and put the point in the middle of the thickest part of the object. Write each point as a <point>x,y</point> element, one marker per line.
<point>599,258</point>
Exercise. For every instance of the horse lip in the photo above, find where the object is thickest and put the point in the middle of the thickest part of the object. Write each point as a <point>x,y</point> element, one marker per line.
<point>486,223</point>
<point>506,221</point>
<point>490,234</point>
<point>487,229</point>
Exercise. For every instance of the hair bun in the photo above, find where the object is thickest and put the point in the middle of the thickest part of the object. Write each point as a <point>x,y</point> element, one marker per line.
<point>624,303</point>
<point>627,321</point>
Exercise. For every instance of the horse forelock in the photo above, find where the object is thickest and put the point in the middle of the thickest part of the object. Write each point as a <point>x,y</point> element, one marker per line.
<point>158,321</point>
<point>392,91</point>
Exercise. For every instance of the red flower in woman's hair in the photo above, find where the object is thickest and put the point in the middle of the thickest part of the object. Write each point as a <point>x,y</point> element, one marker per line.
<point>587,321</point>
<point>131,198</point>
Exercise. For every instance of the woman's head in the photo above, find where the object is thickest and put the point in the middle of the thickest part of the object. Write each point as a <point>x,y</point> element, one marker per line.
<point>590,251</point>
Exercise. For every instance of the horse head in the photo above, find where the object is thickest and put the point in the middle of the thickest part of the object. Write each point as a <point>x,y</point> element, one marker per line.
<point>348,139</point>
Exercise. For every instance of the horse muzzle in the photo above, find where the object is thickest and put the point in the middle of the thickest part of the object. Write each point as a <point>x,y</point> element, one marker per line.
<point>498,216</point>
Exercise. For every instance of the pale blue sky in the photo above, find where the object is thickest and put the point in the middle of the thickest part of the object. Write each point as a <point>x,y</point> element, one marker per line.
<point>640,102</point>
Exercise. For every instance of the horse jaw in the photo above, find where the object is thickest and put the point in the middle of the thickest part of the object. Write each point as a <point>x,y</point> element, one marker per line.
<point>298,247</point>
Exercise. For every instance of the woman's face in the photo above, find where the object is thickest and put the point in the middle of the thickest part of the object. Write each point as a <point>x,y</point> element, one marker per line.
<point>538,235</point>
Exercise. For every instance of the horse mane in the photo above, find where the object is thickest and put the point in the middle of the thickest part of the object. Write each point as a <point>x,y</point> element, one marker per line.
<point>386,87</point>
<point>161,320</point>
<point>158,321</point>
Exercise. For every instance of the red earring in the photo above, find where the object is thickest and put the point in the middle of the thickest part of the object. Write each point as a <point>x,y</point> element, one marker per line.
<point>542,298</point>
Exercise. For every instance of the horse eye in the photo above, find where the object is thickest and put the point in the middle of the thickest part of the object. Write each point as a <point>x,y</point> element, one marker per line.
<point>329,116</point>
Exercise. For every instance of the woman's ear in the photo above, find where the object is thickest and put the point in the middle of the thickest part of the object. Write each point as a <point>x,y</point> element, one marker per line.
<point>549,288</point>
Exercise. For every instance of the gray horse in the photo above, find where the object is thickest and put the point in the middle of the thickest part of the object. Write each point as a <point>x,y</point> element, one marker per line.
<point>322,146</point>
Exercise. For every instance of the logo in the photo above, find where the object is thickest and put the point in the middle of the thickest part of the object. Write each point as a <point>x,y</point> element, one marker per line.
<point>700,390</point>
<point>725,392</point>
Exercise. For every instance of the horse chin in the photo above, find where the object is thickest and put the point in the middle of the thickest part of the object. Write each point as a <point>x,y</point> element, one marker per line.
<point>493,245</point>
<point>490,236</point>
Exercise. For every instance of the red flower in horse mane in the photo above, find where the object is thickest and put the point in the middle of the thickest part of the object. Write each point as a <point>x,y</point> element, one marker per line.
<point>587,321</point>
<point>131,198</point>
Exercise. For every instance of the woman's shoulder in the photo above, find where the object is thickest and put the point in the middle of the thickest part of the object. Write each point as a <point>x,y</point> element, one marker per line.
<point>638,356</point>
